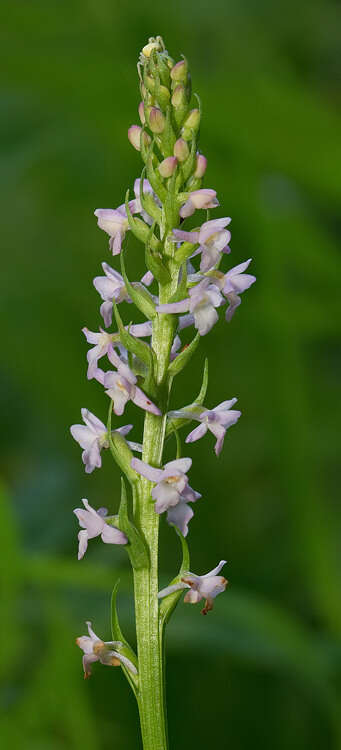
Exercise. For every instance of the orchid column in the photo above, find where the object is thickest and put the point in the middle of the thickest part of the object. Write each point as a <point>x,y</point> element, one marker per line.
<point>145,357</point>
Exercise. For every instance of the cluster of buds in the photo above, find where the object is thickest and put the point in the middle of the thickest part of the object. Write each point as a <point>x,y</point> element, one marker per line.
<point>172,295</point>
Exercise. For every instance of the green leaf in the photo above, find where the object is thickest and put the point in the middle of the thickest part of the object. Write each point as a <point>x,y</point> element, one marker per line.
<point>148,202</point>
<point>181,290</point>
<point>140,296</point>
<point>177,424</point>
<point>125,649</point>
<point>136,548</point>
<point>139,228</point>
<point>120,450</point>
<point>168,604</point>
<point>189,165</point>
<point>133,344</point>
<point>183,357</point>
<point>154,176</point>
<point>184,251</point>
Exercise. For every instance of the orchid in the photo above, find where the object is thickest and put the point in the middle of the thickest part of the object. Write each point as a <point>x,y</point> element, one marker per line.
<point>115,223</point>
<point>204,198</point>
<point>92,437</point>
<point>94,523</point>
<point>104,344</point>
<point>213,239</point>
<point>202,301</point>
<point>205,587</point>
<point>145,356</point>
<point>171,492</point>
<point>110,287</point>
<point>217,420</point>
<point>232,284</point>
<point>104,651</point>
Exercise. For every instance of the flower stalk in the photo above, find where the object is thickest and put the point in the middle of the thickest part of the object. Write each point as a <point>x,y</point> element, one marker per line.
<point>168,193</point>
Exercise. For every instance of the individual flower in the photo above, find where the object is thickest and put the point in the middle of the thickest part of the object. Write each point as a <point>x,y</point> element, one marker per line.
<point>110,287</point>
<point>200,587</point>
<point>201,303</point>
<point>217,420</point>
<point>104,651</point>
<point>213,239</point>
<point>233,283</point>
<point>104,344</point>
<point>92,437</point>
<point>121,387</point>
<point>94,523</point>
<point>172,491</point>
<point>204,198</point>
<point>115,223</point>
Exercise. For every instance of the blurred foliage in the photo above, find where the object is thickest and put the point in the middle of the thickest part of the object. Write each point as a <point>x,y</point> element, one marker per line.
<point>264,667</point>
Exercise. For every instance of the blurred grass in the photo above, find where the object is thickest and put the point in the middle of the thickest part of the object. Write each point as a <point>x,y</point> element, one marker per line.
<point>264,668</point>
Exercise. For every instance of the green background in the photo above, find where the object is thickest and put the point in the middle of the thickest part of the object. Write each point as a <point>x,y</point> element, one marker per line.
<point>264,668</point>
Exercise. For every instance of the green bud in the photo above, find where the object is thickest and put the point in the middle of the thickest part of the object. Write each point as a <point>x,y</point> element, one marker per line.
<point>180,70</point>
<point>168,166</point>
<point>181,150</point>
<point>156,120</point>
<point>193,120</point>
<point>179,98</point>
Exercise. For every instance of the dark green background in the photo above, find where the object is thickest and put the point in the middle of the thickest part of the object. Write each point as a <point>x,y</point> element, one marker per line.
<point>263,670</point>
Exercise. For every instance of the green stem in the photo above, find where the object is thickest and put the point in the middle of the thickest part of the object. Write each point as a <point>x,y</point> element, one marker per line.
<point>151,694</point>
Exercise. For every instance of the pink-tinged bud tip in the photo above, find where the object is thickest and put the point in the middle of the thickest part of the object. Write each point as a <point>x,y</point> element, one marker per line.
<point>156,120</point>
<point>141,113</point>
<point>179,96</point>
<point>181,150</point>
<point>179,71</point>
<point>168,166</point>
<point>134,136</point>
<point>201,166</point>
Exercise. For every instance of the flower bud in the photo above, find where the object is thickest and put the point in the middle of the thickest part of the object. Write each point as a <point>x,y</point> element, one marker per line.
<point>134,136</point>
<point>179,71</point>
<point>141,113</point>
<point>179,96</point>
<point>181,150</point>
<point>193,120</point>
<point>168,166</point>
<point>156,120</point>
<point>201,164</point>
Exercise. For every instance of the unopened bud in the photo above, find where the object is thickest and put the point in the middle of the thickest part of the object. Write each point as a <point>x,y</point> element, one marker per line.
<point>181,150</point>
<point>156,120</point>
<point>168,166</point>
<point>193,120</point>
<point>134,136</point>
<point>179,96</point>
<point>201,165</point>
<point>179,71</point>
<point>141,113</point>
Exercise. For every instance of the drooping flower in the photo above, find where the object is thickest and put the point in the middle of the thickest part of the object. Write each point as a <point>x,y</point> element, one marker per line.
<point>172,491</point>
<point>111,286</point>
<point>201,303</point>
<point>92,437</point>
<point>104,344</point>
<point>115,223</point>
<point>121,387</point>
<point>213,239</point>
<point>104,651</point>
<point>94,523</point>
<point>200,587</point>
<point>217,420</point>
<point>204,198</point>
<point>234,283</point>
